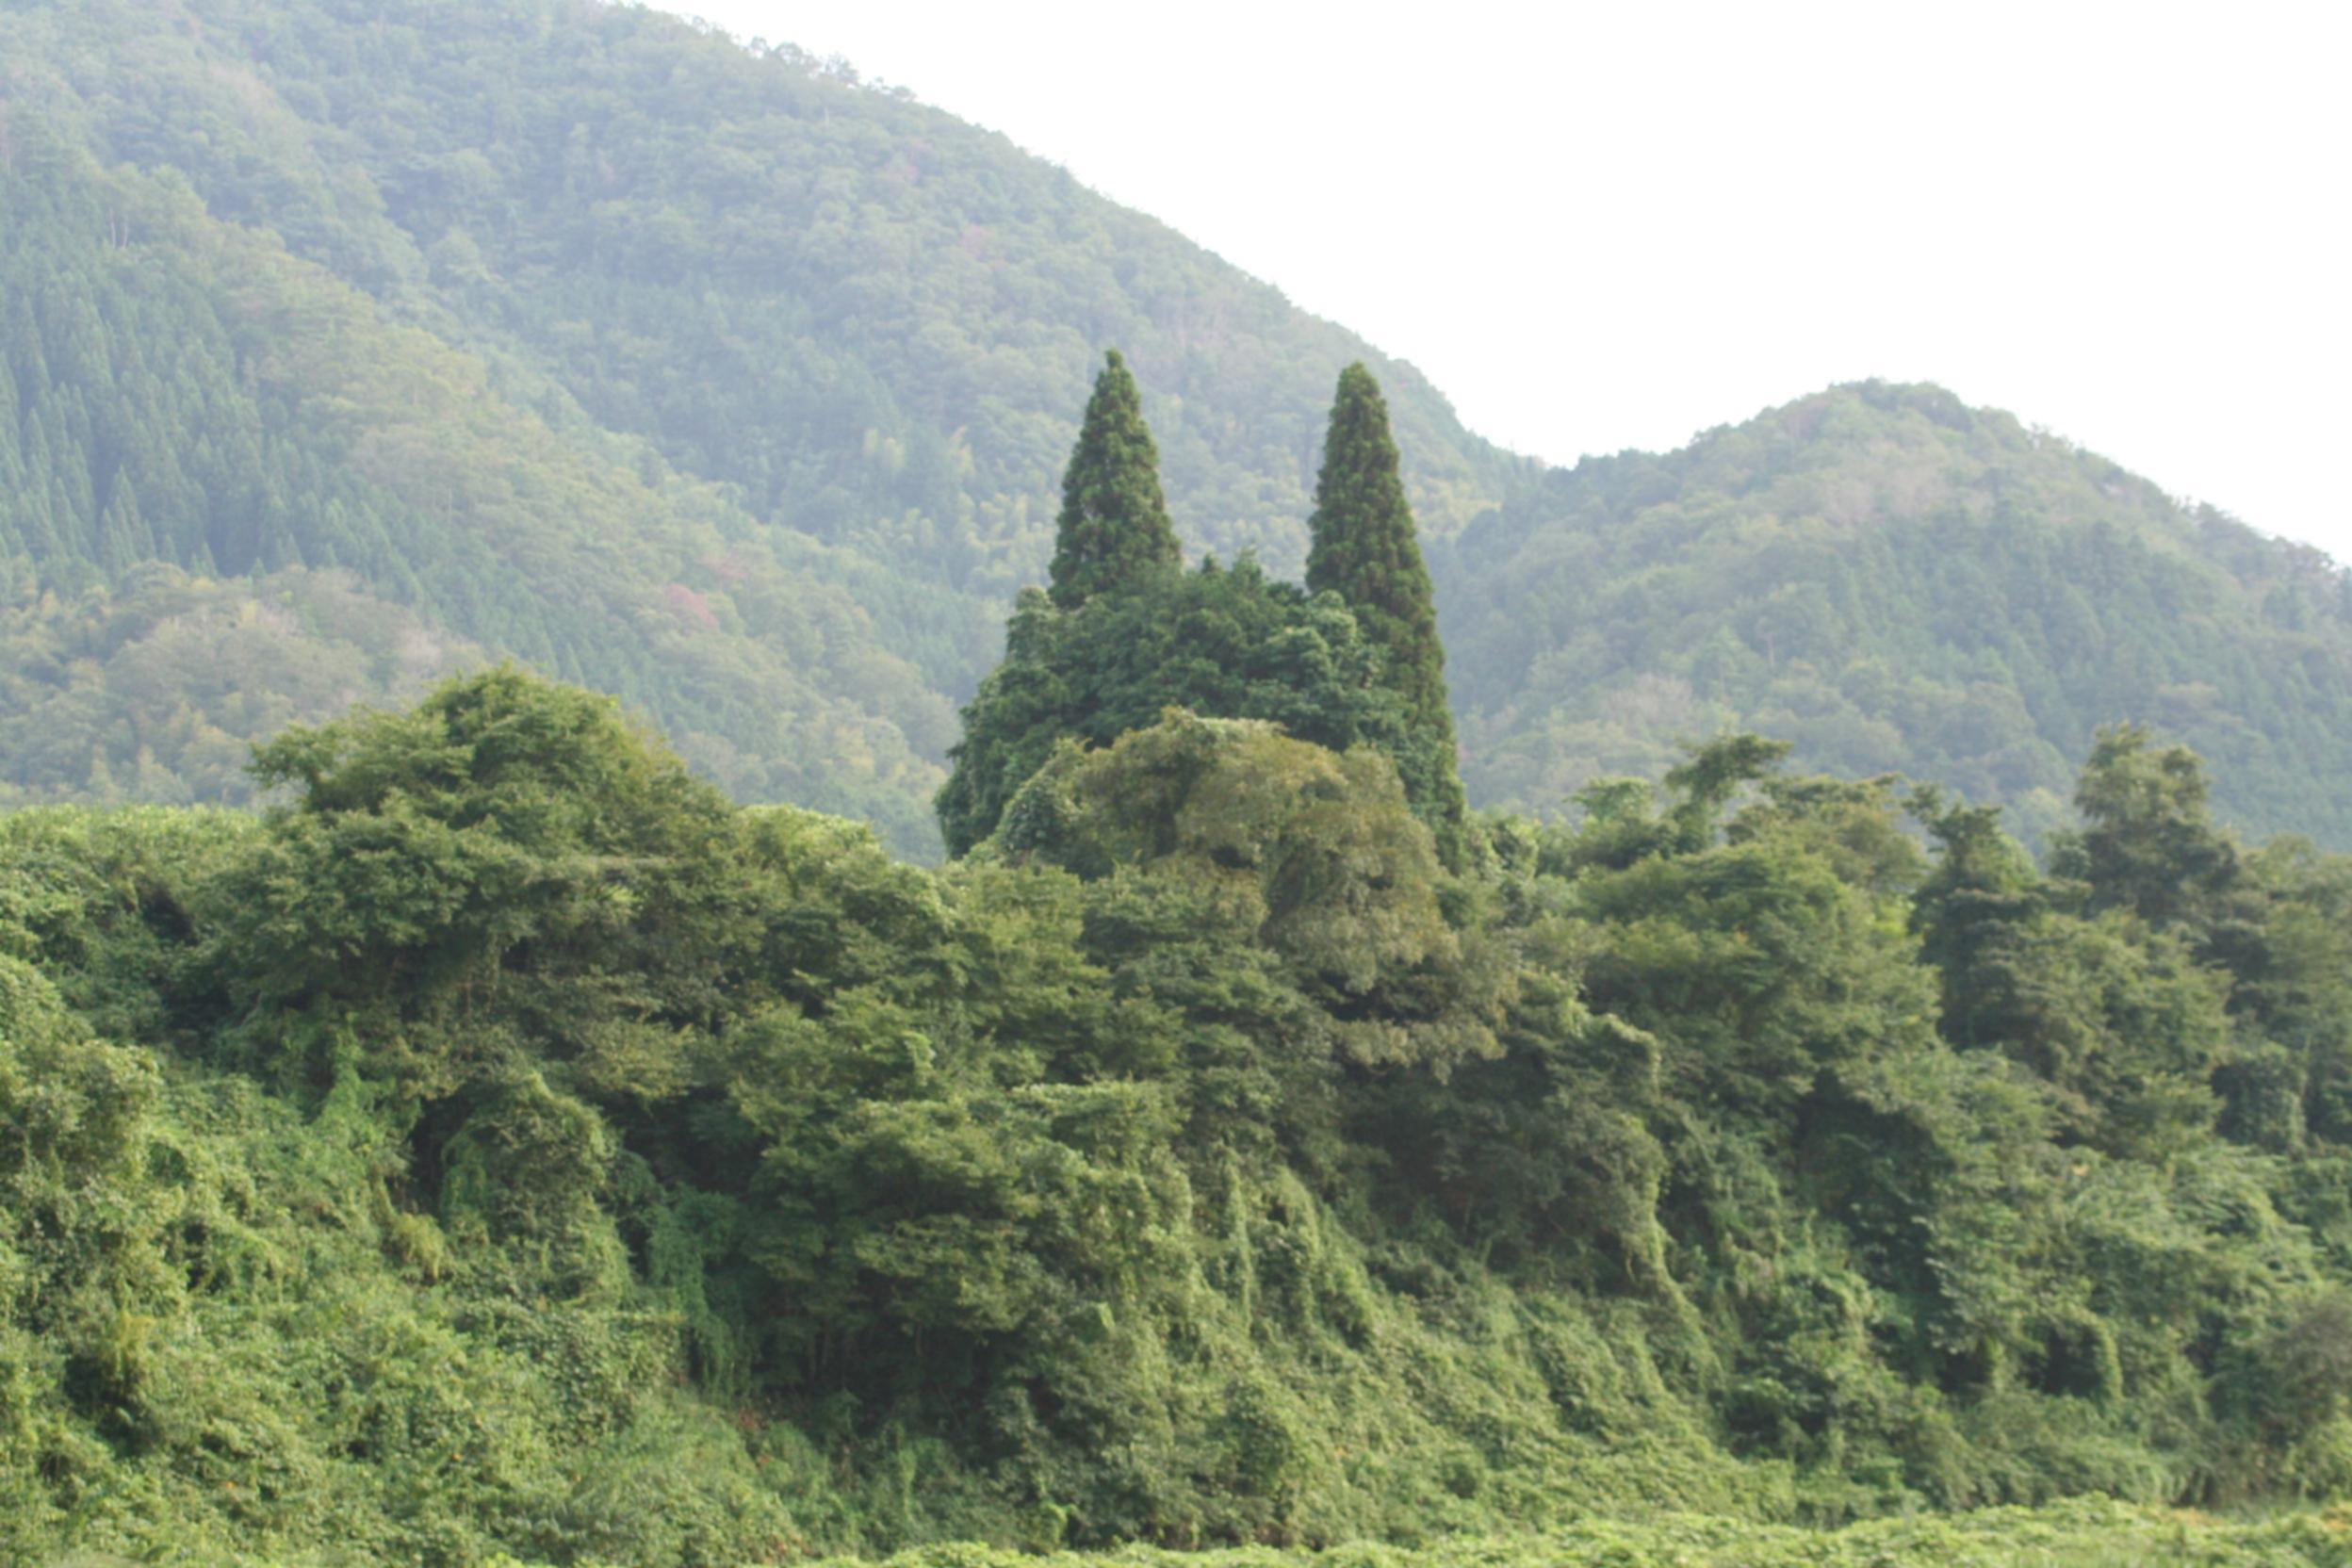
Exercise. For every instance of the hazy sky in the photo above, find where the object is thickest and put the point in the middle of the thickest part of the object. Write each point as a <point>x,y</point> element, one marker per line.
<point>1607,226</point>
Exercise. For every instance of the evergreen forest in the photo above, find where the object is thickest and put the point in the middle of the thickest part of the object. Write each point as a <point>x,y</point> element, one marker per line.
<point>348,343</point>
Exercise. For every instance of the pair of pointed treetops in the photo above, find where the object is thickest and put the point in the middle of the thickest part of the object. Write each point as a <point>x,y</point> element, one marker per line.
<point>1114,531</point>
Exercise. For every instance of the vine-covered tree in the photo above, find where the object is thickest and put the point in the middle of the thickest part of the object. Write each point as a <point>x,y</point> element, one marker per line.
<point>1114,532</point>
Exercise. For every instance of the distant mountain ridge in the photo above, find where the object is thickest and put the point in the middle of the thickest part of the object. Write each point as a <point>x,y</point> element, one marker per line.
<point>1898,583</point>
<point>395,334</point>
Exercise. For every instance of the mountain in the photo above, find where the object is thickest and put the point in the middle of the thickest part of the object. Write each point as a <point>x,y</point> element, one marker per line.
<point>1896,582</point>
<point>348,343</point>
<point>582,334</point>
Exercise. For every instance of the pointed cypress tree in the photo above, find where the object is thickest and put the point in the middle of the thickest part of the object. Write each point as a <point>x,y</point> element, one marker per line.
<point>1114,531</point>
<point>1364,548</point>
<point>1365,551</point>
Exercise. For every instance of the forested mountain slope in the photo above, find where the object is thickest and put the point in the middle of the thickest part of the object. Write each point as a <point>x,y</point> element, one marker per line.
<point>1896,582</point>
<point>716,379</point>
<point>702,375</point>
<point>191,403</point>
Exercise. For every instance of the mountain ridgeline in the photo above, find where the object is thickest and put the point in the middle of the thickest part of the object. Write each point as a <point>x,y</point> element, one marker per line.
<point>344,344</point>
<point>577,334</point>
<point>1896,582</point>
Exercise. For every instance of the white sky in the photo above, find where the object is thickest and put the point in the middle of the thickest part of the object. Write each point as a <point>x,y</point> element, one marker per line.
<point>1601,226</point>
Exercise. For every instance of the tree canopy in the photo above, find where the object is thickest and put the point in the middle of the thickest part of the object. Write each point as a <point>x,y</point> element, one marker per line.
<point>1227,643</point>
<point>505,1144</point>
<point>1365,551</point>
<point>1091,666</point>
<point>1893,580</point>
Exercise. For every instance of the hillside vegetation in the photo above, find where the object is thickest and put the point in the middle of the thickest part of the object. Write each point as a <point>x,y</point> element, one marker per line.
<point>506,1148</point>
<point>570,331</point>
<point>719,380</point>
<point>1897,582</point>
<point>508,1145</point>
<point>2077,1536</point>
<point>193,406</point>
<point>455,1129</point>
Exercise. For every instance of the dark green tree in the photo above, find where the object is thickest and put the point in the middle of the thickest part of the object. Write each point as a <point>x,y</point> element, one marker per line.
<point>1364,550</point>
<point>1224,643</point>
<point>1114,531</point>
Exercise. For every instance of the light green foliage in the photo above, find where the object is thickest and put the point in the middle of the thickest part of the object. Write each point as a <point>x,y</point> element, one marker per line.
<point>507,869</point>
<point>2082,1535</point>
<point>157,688</point>
<point>1311,851</point>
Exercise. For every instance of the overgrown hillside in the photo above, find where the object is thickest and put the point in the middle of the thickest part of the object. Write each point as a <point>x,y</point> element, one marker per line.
<point>508,1145</point>
<point>1897,582</point>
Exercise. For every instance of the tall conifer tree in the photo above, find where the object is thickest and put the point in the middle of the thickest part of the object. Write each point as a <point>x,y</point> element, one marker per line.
<point>1365,551</point>
<point>1114,530</point>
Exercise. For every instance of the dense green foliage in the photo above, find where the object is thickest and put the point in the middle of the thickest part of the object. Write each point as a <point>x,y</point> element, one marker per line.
<point>2093,1535</point>
<point>258,418</point>
<point>1894,581</point>
<point>1113,536</point>
<point>158,688</point>
<point>1123,636</point>
<point>1364,550</point>
<point>1224,643</point>
<point>507,1145</point>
